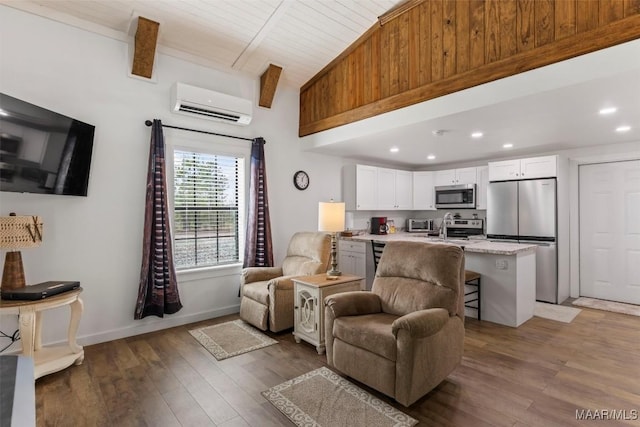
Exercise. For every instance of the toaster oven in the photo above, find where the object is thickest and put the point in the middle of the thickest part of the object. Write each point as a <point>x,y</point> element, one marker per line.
<point>415,225</point>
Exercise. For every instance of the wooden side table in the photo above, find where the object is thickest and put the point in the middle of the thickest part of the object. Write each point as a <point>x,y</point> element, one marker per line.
<point>48,359</point>
<point>309,294</point>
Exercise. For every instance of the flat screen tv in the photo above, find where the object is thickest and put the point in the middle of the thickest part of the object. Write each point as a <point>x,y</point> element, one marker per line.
<point>42,151</point>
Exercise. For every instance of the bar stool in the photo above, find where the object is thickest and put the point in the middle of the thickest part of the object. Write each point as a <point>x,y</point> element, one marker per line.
<point>377,247</point>
<point>471,278</point>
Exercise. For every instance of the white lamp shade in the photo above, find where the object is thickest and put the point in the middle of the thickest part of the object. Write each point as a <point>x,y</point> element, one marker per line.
<point>331,216</point>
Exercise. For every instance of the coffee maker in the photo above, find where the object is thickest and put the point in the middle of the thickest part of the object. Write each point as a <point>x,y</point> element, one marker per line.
<point>379,225</point>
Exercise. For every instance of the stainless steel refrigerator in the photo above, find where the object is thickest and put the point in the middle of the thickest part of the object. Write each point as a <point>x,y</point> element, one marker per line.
<point>525,212</point>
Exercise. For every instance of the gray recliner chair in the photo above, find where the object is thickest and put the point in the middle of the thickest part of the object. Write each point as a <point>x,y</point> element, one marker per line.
<point>406,335</point>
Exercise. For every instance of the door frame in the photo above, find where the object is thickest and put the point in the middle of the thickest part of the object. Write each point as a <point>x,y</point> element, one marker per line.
<point>574,208</point>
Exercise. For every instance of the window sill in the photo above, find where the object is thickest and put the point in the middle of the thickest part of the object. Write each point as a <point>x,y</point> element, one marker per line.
<point>208,272</point>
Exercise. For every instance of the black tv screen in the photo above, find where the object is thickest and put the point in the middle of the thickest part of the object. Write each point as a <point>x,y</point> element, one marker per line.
<point>42,151</point>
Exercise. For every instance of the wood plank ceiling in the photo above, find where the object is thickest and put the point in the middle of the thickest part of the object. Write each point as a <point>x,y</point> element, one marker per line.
<point>442,46</point>
<point>301,36</point>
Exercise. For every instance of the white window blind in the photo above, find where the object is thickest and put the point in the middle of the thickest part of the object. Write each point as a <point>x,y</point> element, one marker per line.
<point>206,202</point>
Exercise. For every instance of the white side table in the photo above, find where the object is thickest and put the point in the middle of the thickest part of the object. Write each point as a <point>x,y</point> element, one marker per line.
<point>309,294</point>
<point>48,359</point>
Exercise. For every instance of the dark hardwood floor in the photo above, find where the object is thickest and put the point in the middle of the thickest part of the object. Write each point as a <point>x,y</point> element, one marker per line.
<point>535,375</point>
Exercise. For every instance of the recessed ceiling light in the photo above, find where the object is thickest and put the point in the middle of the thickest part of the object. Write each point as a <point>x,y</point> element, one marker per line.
<point>394,149</point>
<point>476,135</point>
<point>431,157</point>
<point>3,113</point>
<point>509,145</point>
<point>608,110</point>
<point>438,132</point>
<point>623,128</point>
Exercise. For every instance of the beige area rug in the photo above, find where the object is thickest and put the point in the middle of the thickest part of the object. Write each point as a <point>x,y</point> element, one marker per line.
<point>231,339</point>
<point>559,313</point>
<point>616,307</point>
<point>323,398</point>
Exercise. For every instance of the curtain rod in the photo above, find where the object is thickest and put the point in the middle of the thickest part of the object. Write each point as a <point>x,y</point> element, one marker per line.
<point>149,123</point>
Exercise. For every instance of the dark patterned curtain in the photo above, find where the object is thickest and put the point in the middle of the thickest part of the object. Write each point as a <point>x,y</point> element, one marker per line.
<point>158,293</point>
<point>258,251</point>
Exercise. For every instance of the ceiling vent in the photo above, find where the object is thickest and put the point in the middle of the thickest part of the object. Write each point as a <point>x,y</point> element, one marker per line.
<point>208,104</point>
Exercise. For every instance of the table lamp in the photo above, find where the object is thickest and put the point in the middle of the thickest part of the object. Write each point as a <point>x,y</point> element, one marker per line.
<point>331,219</point>
<point>17,232</point>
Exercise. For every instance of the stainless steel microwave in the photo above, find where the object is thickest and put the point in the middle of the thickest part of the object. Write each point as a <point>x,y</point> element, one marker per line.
<point>456,196</point>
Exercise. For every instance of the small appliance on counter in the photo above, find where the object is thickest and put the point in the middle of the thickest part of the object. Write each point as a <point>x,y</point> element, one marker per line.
<point>415,225</point>
<point>379,225</point>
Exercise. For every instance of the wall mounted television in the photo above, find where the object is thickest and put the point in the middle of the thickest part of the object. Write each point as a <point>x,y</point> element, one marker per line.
<point>42,151</point>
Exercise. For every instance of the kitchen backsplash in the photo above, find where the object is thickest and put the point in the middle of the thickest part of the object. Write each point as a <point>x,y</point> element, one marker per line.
<point>359,221</point>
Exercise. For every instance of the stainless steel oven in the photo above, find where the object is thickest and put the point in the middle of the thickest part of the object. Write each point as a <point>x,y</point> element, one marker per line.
<point>456,196</point>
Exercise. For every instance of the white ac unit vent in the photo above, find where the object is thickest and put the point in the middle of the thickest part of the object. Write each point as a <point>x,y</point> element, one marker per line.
<point>209,104</point>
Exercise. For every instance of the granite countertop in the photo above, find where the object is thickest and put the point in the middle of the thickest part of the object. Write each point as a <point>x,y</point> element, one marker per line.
<point>470,246</point>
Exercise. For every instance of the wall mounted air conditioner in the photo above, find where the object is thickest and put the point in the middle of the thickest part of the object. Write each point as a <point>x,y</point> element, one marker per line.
<point>209,104</point>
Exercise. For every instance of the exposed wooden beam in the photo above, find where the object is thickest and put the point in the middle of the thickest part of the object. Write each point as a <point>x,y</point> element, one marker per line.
<point>268,83</point>
<point>145,47</point>
<point>398,10</point>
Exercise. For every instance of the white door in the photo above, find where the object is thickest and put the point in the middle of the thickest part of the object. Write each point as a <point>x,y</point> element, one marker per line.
<point>610,231</point>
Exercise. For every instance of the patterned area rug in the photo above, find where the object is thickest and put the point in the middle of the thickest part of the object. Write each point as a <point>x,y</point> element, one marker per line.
<point>559,313</point>
<point>231,339</point>
<point>616,307</point>
<point>323,398</point>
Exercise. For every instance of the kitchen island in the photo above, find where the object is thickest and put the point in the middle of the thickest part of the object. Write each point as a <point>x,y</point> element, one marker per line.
<point>508,273</point>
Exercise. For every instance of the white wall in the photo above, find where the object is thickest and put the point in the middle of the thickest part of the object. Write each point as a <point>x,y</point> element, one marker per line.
<point>97,239</point>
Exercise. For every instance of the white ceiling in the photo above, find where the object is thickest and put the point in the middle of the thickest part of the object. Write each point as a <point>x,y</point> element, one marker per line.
<point>552,108</point>
<point>302,36</point>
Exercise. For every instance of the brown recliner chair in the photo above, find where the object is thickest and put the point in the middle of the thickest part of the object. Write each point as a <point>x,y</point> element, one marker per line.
<point>267,292</point>
<point>406,335</point>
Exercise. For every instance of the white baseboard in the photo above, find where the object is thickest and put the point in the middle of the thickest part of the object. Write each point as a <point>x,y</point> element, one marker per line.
<point>153,323</point>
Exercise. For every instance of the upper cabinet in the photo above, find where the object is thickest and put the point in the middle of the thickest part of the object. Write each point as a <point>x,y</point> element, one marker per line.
<point>423,191</point>
<point>535,167</point>
<point>368,188</point>
<point>359,187</point>
<point>394,189</point>
<point>481,188</point>
<point>455,176</point>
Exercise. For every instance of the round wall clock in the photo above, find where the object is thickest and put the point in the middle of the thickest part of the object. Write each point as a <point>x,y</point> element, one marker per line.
<point>301,180</point>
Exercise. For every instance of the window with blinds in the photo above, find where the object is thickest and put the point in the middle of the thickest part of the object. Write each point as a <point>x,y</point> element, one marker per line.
<point>206,202</point>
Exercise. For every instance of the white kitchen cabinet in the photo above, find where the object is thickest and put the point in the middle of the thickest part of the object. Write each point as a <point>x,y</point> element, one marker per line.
<point>354,258</point>
<point>423,183</point>
<point>455,176</point>
<point>539,167</point>
<point>394,189</point>
<point>404,190</point>
<point>359,187</point>
<point>534,167</point>
<point>481,189</point>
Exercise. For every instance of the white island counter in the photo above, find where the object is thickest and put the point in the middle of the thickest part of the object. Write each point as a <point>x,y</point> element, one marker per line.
<point>508,273</point>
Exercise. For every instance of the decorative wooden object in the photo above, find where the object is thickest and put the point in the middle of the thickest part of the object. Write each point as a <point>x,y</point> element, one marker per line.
<point>268,83</point>
<point>437,47</point>
<point>17,232</point>
<point>145,47</point>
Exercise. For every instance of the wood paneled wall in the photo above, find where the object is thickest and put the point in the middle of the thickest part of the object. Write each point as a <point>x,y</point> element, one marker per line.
<point>443,46</point>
